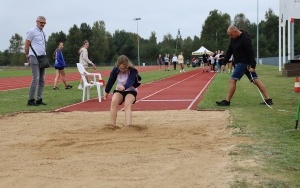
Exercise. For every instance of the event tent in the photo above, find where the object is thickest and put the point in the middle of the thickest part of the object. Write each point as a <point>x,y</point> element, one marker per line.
<point>201,50</point>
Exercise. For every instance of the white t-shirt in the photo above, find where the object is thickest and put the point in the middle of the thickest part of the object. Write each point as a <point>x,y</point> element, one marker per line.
<point>122,79</point>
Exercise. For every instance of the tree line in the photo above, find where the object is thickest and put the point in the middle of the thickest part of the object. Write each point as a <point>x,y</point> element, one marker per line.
<point>106,47</point>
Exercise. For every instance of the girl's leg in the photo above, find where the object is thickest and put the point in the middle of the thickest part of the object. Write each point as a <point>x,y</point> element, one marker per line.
<point>63,75</point>
<point>129,99</point>
<point>115,101</point>
<point>56,78</point>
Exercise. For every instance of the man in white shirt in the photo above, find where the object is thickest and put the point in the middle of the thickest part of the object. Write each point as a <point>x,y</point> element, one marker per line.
<point>36,40</point>
<point>174,61</point>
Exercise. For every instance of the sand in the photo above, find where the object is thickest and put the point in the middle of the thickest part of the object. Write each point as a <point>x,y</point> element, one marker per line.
<point>81,149</point>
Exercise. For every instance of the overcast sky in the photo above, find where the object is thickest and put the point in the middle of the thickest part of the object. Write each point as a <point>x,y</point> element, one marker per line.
<point>161,16</point>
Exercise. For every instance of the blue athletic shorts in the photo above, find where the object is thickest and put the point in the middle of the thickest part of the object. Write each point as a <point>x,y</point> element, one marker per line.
<point>240,69</point>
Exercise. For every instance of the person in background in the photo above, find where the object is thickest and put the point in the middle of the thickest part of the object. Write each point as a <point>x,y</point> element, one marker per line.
<point>59,66</point>
<point>242,50</point>
<point>159,61</point>
<point>84,59</point>
<point>125,74</point>
<point>230,64</point>
<point>212,63</point>
<point>174,61</point>
<point>205,58</point>
<point>220,60</point>
<point>181,62</point>
<point>167,61</point>
<point>36,39</point>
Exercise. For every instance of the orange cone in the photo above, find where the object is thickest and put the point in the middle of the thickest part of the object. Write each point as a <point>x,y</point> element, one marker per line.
<point>297,85</point>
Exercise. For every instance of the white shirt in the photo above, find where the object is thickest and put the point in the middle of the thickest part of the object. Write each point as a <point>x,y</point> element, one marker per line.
<point>37,39</point>
<point>122,79</point>
<point>174,59</point>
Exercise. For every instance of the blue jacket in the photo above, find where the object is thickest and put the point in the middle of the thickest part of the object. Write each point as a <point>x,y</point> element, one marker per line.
<point>131,81</point>
<point>59,59</point>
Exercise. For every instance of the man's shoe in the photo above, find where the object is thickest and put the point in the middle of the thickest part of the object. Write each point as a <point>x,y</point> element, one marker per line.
<point>223,103</point>
<point>55,88</point>
<point>40,102</point>
<point>268,101</point>
<point>31,102</point>
<point>80,87</point>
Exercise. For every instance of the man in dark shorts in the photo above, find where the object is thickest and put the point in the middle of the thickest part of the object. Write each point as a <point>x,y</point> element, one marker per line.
<point>241,48</point>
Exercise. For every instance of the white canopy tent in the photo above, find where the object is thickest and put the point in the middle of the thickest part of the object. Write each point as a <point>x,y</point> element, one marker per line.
<point>201,51</point>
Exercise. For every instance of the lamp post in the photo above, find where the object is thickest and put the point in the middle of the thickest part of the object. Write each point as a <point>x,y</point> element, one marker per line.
<point>178,35</point>
<point>257,38</point>
<point>138,39</point>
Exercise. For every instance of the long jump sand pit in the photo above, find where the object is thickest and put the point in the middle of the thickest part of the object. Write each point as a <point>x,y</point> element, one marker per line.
<point>81,149</point>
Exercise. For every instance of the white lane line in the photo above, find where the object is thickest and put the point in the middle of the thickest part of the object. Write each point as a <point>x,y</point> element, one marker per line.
<point>174,100</point>
<point>164,88</point>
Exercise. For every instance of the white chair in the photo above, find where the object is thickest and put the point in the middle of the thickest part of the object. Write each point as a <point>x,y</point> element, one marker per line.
<point>96,81</point>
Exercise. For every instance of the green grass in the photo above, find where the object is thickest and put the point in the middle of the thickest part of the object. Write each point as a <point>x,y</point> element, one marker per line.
<point>275,142</point>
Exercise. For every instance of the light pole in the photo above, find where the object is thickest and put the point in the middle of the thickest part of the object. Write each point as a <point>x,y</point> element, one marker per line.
<point>138,38</point>
<point>257,38</point>
<point>178,35</point>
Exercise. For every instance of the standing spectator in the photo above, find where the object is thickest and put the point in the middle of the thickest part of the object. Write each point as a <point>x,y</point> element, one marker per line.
<point>125,74</point>
<point>230,64</point>
<point>217,64</point>
<point>220,61</point>
<point>59,66</point>
<point>167,61</point>
<point>241,48</point>
<point>174,61</point>
<point>181,62</point>
<point>159,61</point>
<point>205,57</point>
<point>36,40</point>
<point>212,63</point>
<point>84,59</point>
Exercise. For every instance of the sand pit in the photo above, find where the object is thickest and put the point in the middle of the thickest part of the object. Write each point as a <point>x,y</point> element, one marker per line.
<point>80,149</point>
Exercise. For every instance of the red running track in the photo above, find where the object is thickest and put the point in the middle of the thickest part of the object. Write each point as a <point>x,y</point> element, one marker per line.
<point>12,83</point>
<point>183,91</point>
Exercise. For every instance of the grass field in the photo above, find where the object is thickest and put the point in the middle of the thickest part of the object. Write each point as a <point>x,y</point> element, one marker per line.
<point>274,144</point>
<point>272,139</point>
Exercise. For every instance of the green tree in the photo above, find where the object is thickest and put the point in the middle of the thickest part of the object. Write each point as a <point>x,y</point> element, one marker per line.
<point>16,44</point>
<point>99,45</point>
<point>15,50</point>
<point>86,32</point>
<point>149,49</point>
<point>73,43</point>
<point>168,45</point>
<point>241,21</point>
<point>188,48</point>
<point>123,44</point>
<point>272,35</point>
<point>214,35</point>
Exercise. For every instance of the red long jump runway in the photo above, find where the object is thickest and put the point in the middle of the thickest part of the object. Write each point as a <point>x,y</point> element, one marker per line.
<point>183,91</point>
<point>12,83</point>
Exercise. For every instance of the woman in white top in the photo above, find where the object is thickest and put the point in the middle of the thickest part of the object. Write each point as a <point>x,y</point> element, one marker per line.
<point>84,59</point>
<point>180,62</point>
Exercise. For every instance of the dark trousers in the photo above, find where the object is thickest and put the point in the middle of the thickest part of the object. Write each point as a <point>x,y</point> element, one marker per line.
<point>174,64</point>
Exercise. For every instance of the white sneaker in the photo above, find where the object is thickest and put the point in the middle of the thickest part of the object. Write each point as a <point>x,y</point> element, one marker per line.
<point>183,70</point>
<point>80,87</point>
<point>180,71</point>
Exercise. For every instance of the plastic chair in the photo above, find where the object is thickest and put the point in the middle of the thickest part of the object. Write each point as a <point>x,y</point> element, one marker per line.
<point>96,81</point>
